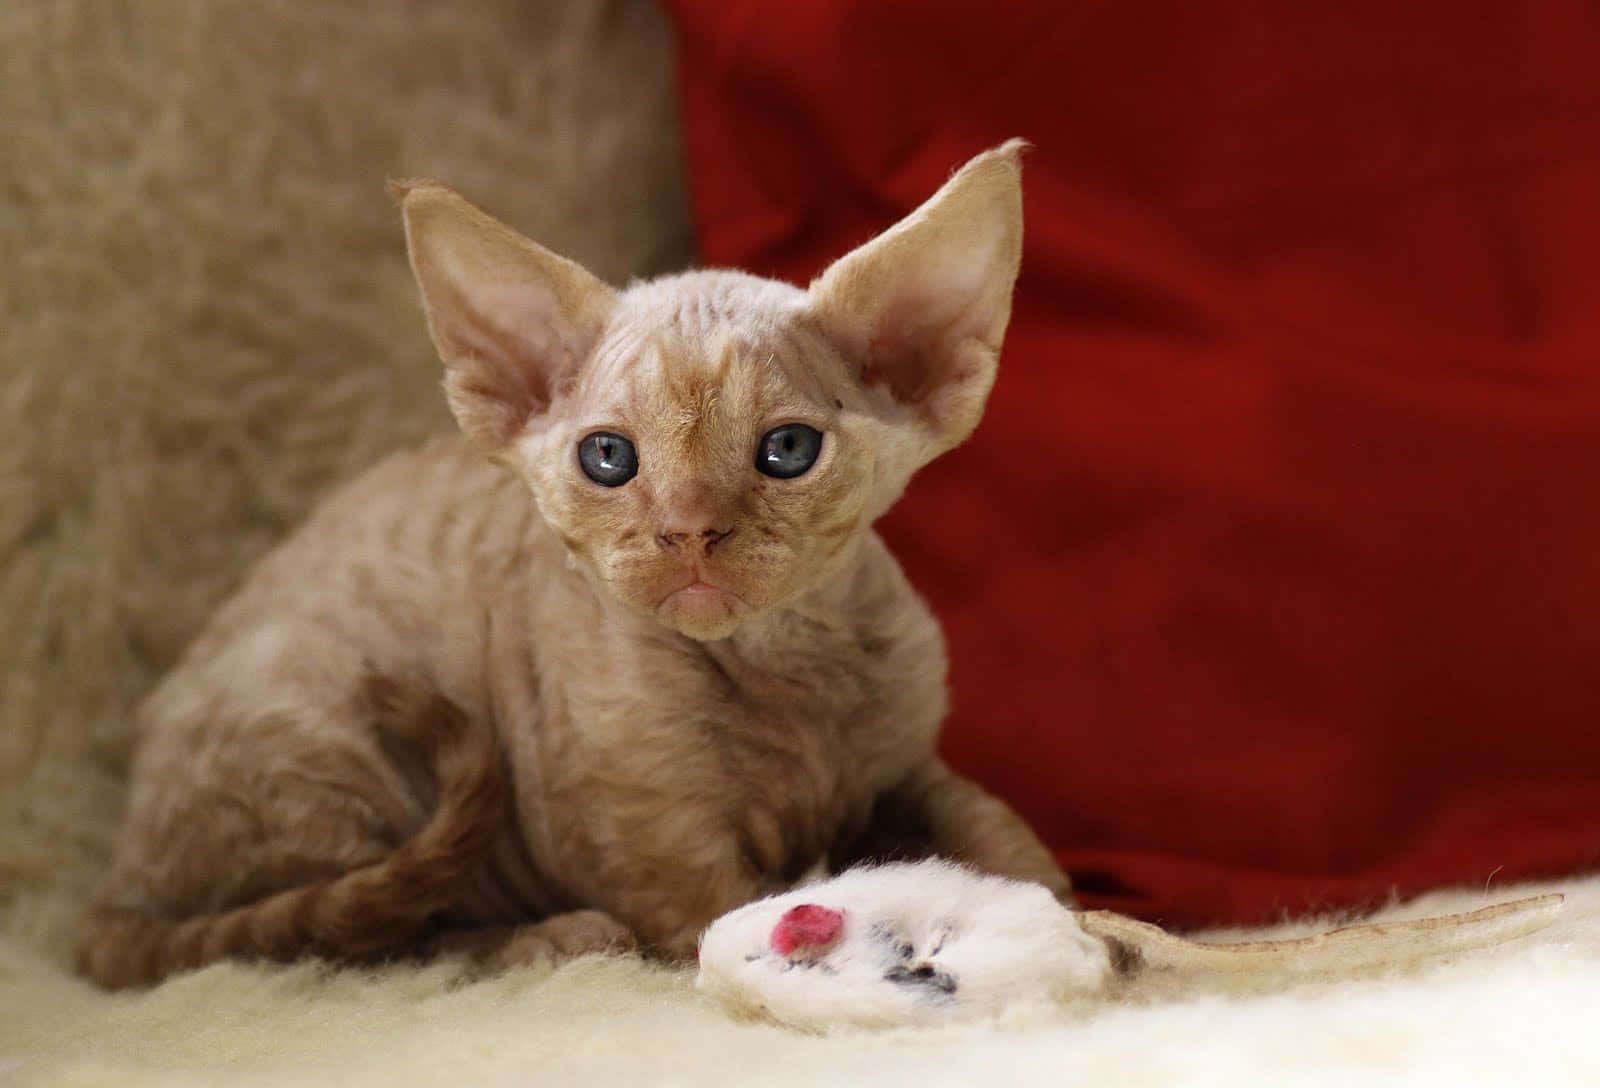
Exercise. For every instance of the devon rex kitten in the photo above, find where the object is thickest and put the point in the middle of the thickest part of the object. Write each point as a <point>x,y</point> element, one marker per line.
<point>644,655</point>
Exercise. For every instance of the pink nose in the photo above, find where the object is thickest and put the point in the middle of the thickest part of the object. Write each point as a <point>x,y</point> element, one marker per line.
<point>705,539</point>
<point>807,928</point>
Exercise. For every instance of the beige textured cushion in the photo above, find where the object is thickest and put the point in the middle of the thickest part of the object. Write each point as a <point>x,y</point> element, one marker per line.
<point>206,316</point>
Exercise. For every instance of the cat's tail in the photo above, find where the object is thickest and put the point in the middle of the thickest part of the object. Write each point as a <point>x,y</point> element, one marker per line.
<point>1138,945</point>
<point>356,914</point>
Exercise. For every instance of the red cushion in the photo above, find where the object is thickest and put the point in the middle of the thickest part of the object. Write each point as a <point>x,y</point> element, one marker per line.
<point>1272,577</point>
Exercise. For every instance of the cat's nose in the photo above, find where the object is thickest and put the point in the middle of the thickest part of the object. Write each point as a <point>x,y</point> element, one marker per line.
<point>705,540</point>
<point>692,520</point>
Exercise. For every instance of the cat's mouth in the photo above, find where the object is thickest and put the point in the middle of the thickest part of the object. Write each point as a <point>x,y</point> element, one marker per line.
<point>700,608</point>
<point>696,589</point>
<point>695,585</point>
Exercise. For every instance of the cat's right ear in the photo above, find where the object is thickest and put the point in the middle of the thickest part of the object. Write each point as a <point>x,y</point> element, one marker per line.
<point>511,320</point>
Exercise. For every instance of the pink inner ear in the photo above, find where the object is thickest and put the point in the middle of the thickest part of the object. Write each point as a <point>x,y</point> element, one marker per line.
<point>807,928</point>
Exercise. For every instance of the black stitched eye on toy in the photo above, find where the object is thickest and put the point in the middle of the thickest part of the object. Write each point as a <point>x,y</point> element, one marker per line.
<point>788,451</point>
<point>608,459</point>
<point>924,976</point>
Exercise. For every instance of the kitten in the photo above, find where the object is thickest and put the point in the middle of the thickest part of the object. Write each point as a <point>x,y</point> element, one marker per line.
<point>646,583</point>
<point>934,942</point>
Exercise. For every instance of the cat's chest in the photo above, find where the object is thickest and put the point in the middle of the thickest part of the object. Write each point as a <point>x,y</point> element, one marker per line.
<point>806,744</point>
<point>825,683</point>
<point>822,696</point>
<point>783,743</point>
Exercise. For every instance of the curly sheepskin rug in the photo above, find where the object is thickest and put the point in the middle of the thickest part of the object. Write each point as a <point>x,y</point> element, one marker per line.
<point>207,319</point>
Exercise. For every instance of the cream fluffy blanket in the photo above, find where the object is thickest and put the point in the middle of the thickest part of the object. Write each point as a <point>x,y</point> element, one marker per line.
<point>1523,1014</point>
<point>205,319</point>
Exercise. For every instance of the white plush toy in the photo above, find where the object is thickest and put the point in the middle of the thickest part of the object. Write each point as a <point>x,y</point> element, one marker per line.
<point>933,942</point>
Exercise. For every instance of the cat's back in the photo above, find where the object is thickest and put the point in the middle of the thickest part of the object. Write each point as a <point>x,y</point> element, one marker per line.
<point>258,767</point>
<point>389,572</point>
<point>435,501</point>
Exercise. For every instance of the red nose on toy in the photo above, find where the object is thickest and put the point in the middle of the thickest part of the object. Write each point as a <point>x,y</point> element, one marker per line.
<point>807,928</point>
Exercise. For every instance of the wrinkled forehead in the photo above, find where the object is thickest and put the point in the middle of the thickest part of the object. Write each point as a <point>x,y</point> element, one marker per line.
<point>705,342</point>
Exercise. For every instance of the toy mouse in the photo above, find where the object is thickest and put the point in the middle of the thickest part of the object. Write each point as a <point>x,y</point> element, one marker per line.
<point>931,941</point>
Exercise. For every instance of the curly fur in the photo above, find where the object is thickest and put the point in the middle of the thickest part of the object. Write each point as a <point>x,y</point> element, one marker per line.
<point>706,679</point>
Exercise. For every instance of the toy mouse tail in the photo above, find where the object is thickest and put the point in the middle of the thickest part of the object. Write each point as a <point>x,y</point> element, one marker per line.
<point>1138,945</point>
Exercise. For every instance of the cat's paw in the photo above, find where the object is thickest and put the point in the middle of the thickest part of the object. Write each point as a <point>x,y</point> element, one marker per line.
<point>579,932</point>
<point>561,937</point>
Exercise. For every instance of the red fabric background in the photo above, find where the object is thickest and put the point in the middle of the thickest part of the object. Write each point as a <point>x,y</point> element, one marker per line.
<point>1272,577</point>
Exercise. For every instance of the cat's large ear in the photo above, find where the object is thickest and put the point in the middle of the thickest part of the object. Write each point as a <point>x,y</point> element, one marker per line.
<point>922,308</point>
<point>511,320</point>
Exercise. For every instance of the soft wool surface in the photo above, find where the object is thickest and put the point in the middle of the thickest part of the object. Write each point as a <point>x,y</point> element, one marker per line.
<point>206,319</point>
<point>1523,1014</point>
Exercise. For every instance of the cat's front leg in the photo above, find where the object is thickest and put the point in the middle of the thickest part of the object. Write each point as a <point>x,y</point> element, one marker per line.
<point>671,927</point>
<point>493,949</point>
<point>669,903</point>
<point>958,819</point>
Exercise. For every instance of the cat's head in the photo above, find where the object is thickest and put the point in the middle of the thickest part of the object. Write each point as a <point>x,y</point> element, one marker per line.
<point>712,445</point>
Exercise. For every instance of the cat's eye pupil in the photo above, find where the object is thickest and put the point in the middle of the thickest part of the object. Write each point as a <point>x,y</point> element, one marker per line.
<point>788,451</point>
<point>608,459</point>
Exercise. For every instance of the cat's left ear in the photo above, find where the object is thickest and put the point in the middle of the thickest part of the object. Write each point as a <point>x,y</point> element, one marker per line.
<point>512,321</point>
<point>921,309</point>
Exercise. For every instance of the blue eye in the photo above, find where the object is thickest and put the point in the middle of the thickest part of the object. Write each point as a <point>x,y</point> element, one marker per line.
<point>608,459</point>
<point>788,451</point>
